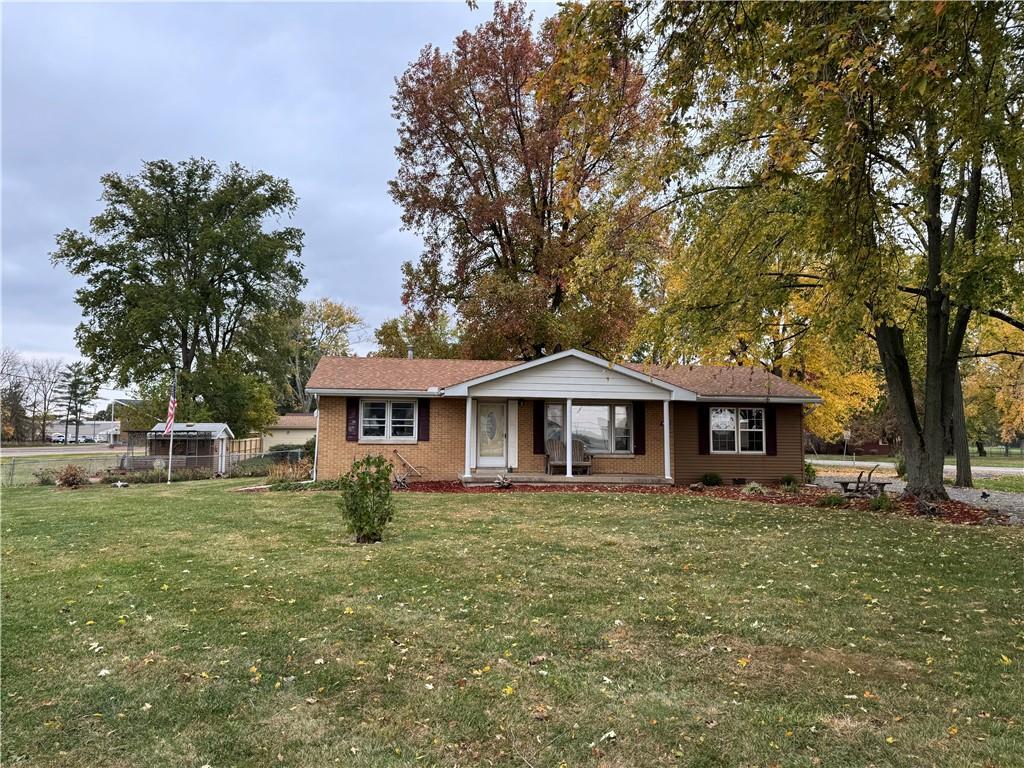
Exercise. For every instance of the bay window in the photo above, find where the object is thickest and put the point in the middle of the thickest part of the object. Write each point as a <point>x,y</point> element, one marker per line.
<point>737,430</point>
<point>387,420</point>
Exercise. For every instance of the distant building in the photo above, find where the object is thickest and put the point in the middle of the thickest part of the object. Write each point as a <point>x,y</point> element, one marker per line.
<point>290,429</point>
<point>97,431</point>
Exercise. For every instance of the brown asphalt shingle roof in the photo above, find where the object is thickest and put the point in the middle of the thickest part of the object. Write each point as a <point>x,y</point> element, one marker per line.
<point>399,372</point>
<point>383,373</point>
<point>296,421</point>
<point>724,381</point>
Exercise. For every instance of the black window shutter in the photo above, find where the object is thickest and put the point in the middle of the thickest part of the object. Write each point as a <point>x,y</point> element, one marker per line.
<point>703,429</point>
<point>771,443</point>
<point>351,419</point>
<point>538,427</point>
<point>639,427</point>
<point>423,419</point>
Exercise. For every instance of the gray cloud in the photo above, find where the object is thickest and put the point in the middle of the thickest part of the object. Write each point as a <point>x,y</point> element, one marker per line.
<point>300,91</point>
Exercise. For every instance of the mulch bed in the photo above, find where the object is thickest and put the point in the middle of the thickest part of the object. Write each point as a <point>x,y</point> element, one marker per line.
<point>949,511</point>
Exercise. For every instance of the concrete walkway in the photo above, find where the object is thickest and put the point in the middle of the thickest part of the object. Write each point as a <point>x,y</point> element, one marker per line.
<point>950,468</point>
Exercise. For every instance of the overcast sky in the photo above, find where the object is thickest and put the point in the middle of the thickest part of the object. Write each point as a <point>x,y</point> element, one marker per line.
<point>299,91</point>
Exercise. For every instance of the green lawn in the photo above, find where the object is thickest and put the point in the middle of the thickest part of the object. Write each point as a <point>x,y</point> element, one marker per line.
<point>995,458</point>
<point>1012,483</point>
<point>189,626</point>
<point>24,469</point>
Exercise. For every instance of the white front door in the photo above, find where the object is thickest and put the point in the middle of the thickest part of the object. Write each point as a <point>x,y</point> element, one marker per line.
<point>491,428</point>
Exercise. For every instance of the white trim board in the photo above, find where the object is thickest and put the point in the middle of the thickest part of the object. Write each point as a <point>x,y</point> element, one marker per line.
<point>584,376</point>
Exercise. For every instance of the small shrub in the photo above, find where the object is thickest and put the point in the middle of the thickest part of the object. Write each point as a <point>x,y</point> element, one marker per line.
<point>46,476</point>
<point>831,500</point>
<point>255,467</point>
<point>290,452</point>
<point>711,479</point>
<point>284,472</point>
<point>310,448</point>
<point>72,476</point>
<point>882,503</point>
<point>284,447</point>
<point>147,476</point>
<point>789,484</point>
<point>810,473</point>
<point>752,489</point>
<point>901,465</point>
<point>366,502</point>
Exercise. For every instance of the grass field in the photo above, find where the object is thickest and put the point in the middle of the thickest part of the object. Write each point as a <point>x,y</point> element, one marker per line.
<point>995,458</point>
<point>190,626</point>
<point>1012,483</point>
<point>24,469</point>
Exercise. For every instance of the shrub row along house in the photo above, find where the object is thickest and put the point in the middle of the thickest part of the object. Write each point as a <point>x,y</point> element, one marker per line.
<point>476,419</point>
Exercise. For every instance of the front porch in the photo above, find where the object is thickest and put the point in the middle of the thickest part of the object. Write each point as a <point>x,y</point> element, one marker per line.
<point>489,477</point>
<point>568,420</point>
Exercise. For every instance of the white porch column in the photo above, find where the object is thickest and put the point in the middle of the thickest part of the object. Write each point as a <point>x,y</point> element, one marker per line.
<point>666,440</point>
<point>568,437</point>
<point>469,436</point>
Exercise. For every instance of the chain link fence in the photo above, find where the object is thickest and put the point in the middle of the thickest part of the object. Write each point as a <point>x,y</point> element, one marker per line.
<point>29,470</point>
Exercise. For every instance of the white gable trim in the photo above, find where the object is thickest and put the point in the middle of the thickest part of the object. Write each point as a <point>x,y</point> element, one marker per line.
<point>671,391</point>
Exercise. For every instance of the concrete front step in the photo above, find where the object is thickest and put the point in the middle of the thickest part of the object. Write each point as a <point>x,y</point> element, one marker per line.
<point>524,478</point>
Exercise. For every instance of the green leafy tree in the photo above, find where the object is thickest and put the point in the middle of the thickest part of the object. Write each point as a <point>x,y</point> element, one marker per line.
<point>423,336</point>
<point>866,157</point>
<point>221,393</point>
<point>182,271</point>
<point>323,328</point>
<point>78,387</point>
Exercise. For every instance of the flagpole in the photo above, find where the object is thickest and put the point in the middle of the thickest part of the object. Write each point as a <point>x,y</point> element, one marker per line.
<point>170,450</point>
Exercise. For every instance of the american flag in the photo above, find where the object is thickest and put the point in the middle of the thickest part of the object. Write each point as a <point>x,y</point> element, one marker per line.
<point>172,405</point>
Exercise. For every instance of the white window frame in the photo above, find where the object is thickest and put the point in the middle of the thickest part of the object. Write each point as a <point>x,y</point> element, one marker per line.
<point>736,421</point>
<point>610,405</point>
<point>388,438</point>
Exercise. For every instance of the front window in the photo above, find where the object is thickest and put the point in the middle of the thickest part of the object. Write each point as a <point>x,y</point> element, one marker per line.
<point>737,430</point>
<point>387,420</point>
<point>606,428</point>
<point>554,423</point>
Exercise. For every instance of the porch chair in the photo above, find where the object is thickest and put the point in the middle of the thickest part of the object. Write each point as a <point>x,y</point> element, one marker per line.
<point>554,456</point>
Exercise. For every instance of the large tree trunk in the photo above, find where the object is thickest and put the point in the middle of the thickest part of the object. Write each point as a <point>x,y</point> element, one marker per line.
<point>959,430</point>
<point>924,469</point>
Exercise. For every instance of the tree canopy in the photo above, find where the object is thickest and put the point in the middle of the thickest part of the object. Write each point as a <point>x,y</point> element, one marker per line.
<point>517,161</point>
<point>429,337</point>
<point>180,269</point>
<point>323,328</point>
<point>863,161</point>
<point>183,271</point>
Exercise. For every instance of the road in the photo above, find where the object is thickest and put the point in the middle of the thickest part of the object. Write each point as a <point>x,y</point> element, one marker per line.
<point>57,449</point>
<point>950,468</point>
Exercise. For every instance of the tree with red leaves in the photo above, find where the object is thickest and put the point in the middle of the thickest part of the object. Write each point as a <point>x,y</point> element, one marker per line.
<point>521,167</point>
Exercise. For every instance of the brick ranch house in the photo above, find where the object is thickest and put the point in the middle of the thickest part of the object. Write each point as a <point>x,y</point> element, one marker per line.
<point>475,419</point>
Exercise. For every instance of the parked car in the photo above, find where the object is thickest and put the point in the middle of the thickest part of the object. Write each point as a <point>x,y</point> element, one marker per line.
<point>56,437</point>
<point>87,439</point>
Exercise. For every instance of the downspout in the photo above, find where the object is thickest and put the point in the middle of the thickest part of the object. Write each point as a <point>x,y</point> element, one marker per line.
<point>316,444</point>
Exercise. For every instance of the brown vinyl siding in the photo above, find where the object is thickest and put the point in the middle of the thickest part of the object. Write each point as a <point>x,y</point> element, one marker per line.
<point>690,464</point>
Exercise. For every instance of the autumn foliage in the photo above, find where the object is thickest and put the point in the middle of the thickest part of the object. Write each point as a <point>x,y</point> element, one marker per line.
<point>516,163</point>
